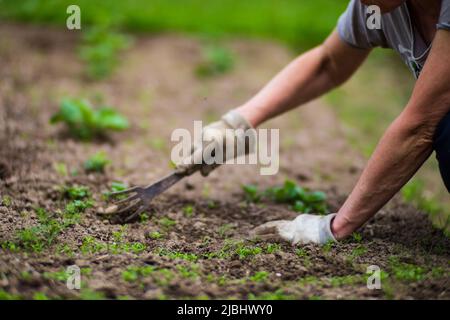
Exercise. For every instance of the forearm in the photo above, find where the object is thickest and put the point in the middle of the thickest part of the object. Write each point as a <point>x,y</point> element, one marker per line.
<point>400,153</point>
<point>304,79</point>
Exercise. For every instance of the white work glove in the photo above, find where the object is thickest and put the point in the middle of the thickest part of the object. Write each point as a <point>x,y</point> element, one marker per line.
<point>215,136</point>
<point>306,228</point>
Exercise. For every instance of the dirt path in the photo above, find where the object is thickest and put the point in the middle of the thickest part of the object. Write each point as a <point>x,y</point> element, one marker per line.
<point>202,251</point>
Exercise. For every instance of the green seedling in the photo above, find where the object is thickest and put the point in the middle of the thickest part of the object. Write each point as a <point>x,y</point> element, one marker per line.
<point>300,199</point>
<point>61,275</point>
<point>188,210</point>
<point>245,252</point>
<point>357,237</point>
<point>4,295</point>
<point>260,276</point>
<point>190,272</point>
<point>38,237</point>
<point>163,277</point>
<point>277,295</point>
<point>166,223</point>
<point>89,294</point>
<point>303,255</point>
<point>349,280</point>
<point>144,217</point>
<point>6,201</point>
<point>76,207</point>
<point>328,246</point>
<point>76,192</point>
<point>405,271</point>
<point>177,255</point>
<point>85,122</point>
<point>310,280</point>
<point>97,162</point>
<point>217,60</point>
<point>155,235</point>
<point>65,249</point>
<point>116,186</point>
<point>157,143</point>
<point>40,296</point>
<point>90,245</point>
<point>251,193</point>
<point>272,248</point>
<point>100,50</point>
<point>133,273</point>
<point>61,169</point>
<point>224,230</point>
<point>358,251</point>
<point>44,234</point>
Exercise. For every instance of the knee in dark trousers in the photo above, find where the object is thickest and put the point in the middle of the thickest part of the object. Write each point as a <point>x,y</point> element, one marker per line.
<point>441,145</point>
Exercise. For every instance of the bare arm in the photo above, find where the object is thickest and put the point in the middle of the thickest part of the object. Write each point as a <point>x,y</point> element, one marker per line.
<point>406,144</point>
<point>307,77</point>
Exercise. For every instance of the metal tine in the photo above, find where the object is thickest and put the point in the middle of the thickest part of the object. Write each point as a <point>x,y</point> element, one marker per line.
<point>132,205</point>
<point>131,190</point>
<point>126,200</point>
<point>136,213</point>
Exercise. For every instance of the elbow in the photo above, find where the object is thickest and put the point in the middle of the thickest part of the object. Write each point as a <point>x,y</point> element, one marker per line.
<point>419,129</point>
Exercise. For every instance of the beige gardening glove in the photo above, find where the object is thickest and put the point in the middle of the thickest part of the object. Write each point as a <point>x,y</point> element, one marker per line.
<point>306,228</point>
<point>231,130</point>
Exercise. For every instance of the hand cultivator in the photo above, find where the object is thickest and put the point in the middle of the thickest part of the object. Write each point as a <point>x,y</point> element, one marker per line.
<point>140,197</point>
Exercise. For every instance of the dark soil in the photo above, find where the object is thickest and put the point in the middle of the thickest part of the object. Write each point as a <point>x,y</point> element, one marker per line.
<point>196,235</point>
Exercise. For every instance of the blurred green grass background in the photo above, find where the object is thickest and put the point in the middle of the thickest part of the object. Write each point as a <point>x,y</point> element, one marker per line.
<point>298,23</point>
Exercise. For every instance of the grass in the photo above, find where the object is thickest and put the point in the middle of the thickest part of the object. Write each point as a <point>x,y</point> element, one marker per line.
<point>297,23</point>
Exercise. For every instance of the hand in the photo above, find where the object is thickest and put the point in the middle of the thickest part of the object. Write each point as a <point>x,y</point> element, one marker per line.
<point>215,138</point>
<point>306,228</point>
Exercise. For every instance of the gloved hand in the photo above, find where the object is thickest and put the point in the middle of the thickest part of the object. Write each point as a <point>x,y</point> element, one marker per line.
<point>306,228</point>
<point>215,136</point>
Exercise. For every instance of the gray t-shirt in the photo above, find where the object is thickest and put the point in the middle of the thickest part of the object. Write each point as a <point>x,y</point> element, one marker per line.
<point>397,32</point>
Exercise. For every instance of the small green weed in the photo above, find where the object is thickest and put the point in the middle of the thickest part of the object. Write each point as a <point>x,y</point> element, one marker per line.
<point>85,122</point>
<point>97,162</point>
<point>260,276</point>
<point>217,60</point>
<point>100,50</point>
<point>300,199</point>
